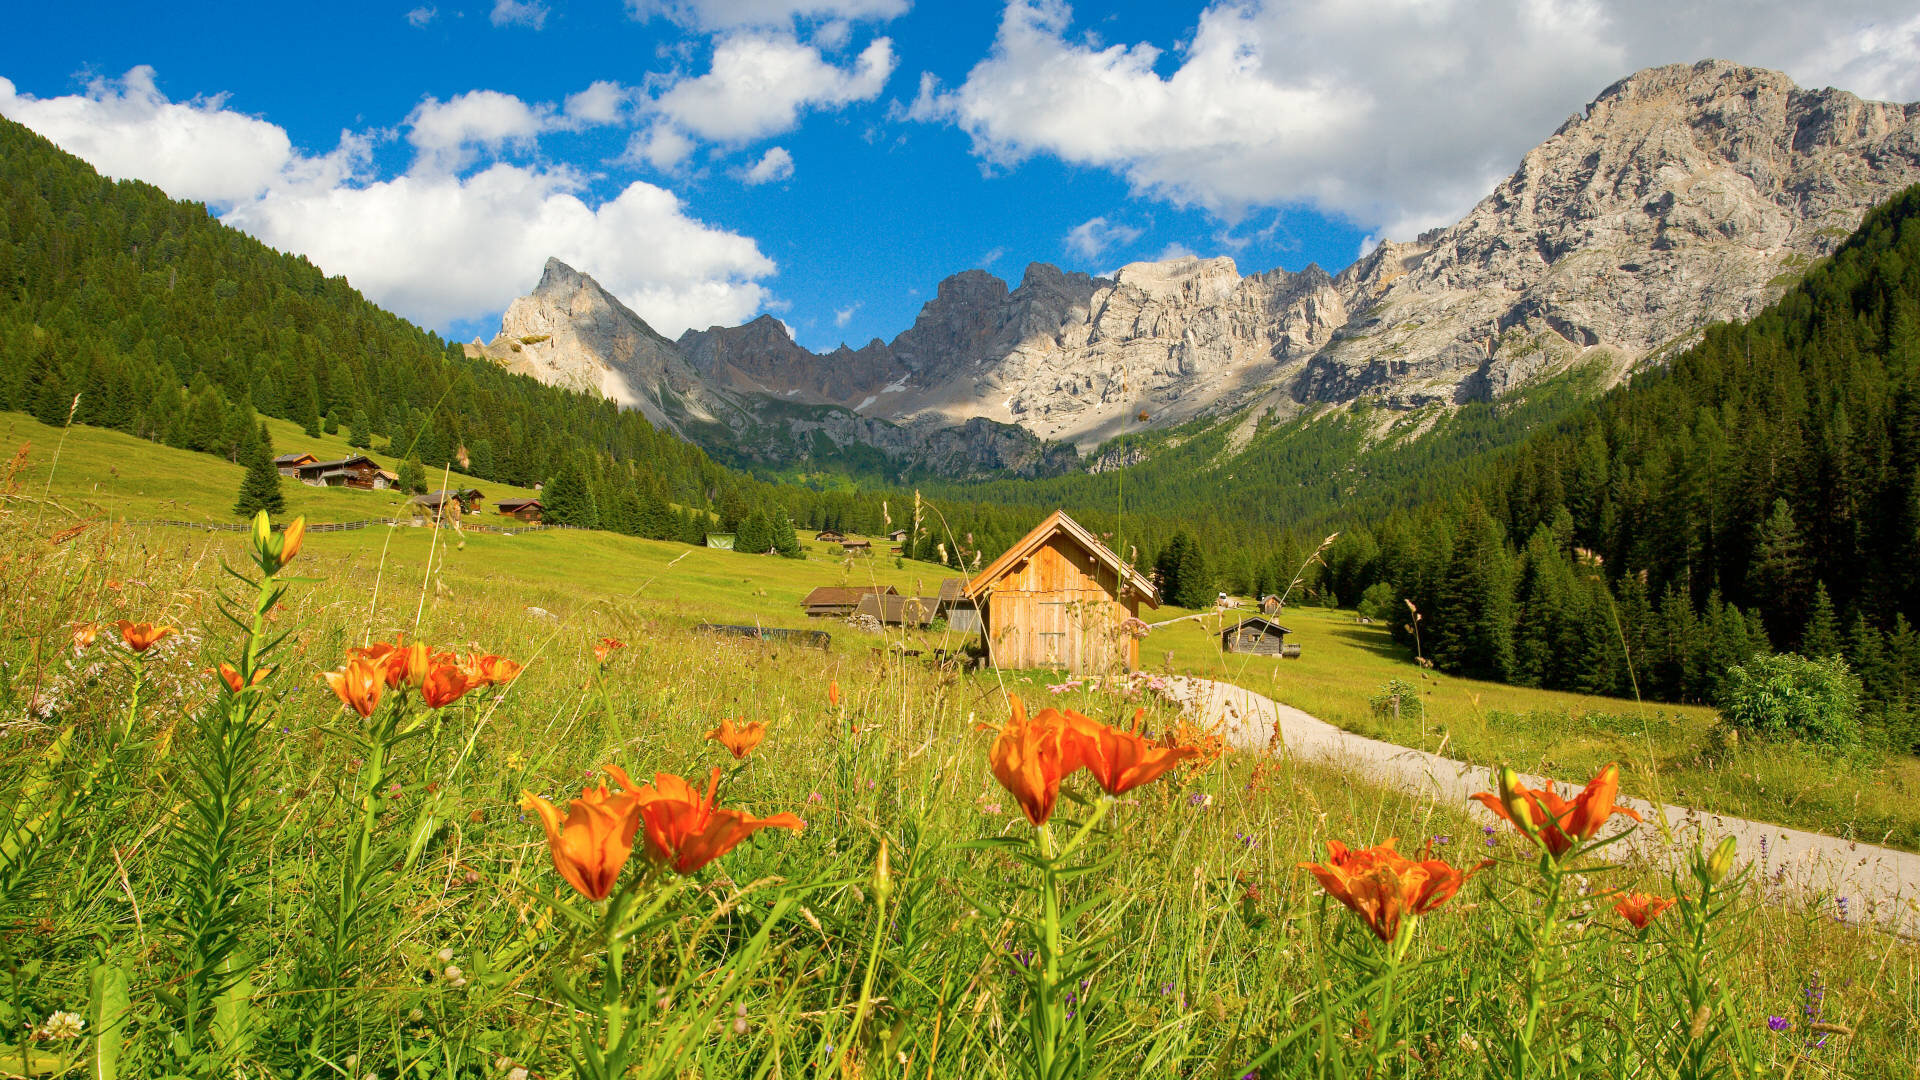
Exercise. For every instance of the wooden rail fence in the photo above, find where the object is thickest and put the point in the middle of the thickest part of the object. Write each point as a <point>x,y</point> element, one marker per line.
<point>341,526</point>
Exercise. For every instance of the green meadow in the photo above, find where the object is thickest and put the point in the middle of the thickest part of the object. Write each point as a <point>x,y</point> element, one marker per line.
<point>195,881</point>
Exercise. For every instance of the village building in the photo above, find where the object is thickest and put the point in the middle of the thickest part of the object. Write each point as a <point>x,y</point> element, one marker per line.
<point>358,471</point>
<point>290,464</point>
<point>857,547</point>
<point>528,510</point>
<point>898,536</point>
<point>955,606</point>
<point>912,612</point>
<point>840,601</point>
<point>1258,636</point>
<point>1060,598</point>
<point>829,536</point>
<point>1270,605</point>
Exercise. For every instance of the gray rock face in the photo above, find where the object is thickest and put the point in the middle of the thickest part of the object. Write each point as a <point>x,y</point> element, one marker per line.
<point>1682,195</point>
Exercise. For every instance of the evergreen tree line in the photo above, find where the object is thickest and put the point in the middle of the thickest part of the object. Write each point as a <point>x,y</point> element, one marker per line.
<point>1760,493</point>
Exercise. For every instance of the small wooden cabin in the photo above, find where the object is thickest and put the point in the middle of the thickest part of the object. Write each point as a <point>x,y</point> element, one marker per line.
<point>1259,636</point>
<point>527,510</point>
<point>1270,605</point>
<point>898,536</point>
<point>857,547</point>
<point>961,613</point>
<point>911,611</point>
<point>840,601</point>
<point>1060,598</point>
<point>465,500</point>
<point>358,471</point>
<point>829,536</point>
<point>291,464</point>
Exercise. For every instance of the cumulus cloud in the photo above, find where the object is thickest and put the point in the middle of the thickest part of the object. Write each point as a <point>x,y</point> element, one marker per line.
<point>776,164</point>
<point>732,14</point>
<point>419,17</point>
<point>758,84</point>
<point>446,134</point>
<point>603,102</point>
<point>1096,235</point>
<point>432,244</point>
<point>1397,114</point>
<point>843,316</point>
<point>528,13</point>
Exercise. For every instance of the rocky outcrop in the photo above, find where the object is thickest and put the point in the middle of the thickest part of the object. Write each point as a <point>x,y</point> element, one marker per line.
<point>1680,196</point>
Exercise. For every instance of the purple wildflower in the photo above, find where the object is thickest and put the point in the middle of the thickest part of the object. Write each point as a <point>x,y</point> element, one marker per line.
<point>1777,1023</point>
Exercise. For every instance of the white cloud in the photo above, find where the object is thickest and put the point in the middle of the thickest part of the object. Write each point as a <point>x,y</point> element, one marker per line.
<point>125,127</point>
<point>1397,114</point>
<point>419,17</point>
<point>431,244</point>
<point>440,248</point>
<point>528,13</point>
<point>659,146</point>
<point>776,164</point>
<point>759,83</point>
<point>843,316</point>
<point>444,134</point>
<point>732,14</point>
<point>1095,235</point>
<point>602,102</point>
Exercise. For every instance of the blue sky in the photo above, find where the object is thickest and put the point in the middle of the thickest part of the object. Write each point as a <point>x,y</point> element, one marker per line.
<point>831,160</point>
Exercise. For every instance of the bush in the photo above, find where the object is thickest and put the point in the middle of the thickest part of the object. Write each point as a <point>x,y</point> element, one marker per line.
<point>1379,602</point>
<point>1398,700</point>
<point>1786,695</point>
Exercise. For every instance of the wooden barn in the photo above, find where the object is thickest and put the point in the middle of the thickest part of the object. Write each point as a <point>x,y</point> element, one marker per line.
<point>1270,605</point>
<point>1059,598</point>
<point>358,471</point>
<point>961,613</point>
<point>291,464</point>
<point>829,536</point>
<point>909,611</point>
<point>527,510</point>
<point>840,601</point>
<point>1259,636</point>
<point>857,547</point>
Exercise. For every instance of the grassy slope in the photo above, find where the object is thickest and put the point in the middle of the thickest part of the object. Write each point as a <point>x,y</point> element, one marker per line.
<point>1663,749</point>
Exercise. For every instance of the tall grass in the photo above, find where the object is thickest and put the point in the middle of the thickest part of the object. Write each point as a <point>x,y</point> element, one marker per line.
<point>884,939</point>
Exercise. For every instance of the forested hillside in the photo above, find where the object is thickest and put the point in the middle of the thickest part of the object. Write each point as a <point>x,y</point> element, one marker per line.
<point>1762,492</point>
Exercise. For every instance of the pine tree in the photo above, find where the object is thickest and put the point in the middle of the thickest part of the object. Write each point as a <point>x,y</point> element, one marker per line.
<point>1822,638</point>
<point>413,476</point>
<point>568,499</point>
<point>260,487</point>
<point>360,437</point>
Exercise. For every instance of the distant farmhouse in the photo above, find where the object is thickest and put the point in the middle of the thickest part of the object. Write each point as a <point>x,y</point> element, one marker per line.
<point>1060,598</point>
<point>358,471</point>
<point>527,510</point>
<point>290,464</point>
<point>1259,636</point>
<point>839,601</point>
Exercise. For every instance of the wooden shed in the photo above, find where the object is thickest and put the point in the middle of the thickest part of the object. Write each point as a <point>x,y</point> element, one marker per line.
<point>839,601</point>
<point>961,613</point>
<point>528,510</point>
<point>857,547</point>
<point>1260,636</point>
<point>290,464</point>
<point>913,611</point>
<point>1270,605</point>
<point>829,536</point>
<point>1059,598</point>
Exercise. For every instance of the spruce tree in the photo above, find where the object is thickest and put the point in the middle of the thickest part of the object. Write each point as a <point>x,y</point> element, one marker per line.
<point>1822,638</point>
<point>260,487</point>
<point>360,437</point>
<point>568,499</point>
<point>413,476</point>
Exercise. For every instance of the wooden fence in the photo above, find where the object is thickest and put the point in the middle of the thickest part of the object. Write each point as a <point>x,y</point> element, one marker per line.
<point>343,526</point>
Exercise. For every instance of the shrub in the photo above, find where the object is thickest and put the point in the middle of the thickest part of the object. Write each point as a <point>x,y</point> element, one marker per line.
<point>1786,695</point>
<point>1379,602</point>
<point>1397,700</point>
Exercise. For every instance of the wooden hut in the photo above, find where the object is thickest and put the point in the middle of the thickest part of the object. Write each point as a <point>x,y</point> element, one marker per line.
<point>898,536</point>
<point>527,510</point>
<point>1270,605</point>
<point>358,471</point>
<point>892,610</point>
<point>857,547</point>
<point>290,464</point>
<point>1060,598</point>
<point>829,536</point>
<point>840,601</point>
<point>1259,636</point>
<point>961,613</point>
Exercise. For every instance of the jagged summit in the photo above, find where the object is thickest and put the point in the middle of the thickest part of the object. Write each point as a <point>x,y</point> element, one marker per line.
<point>1679,196</point>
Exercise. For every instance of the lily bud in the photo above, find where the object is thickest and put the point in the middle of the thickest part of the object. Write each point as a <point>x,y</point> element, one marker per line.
<point>882,874</point>
<point>291,540</point>
<point>1721,860</point>
<point>1518,807</point>
<point>262,531</point>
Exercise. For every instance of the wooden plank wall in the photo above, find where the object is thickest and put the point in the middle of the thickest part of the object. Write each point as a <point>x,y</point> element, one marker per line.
<point>1058,609</point>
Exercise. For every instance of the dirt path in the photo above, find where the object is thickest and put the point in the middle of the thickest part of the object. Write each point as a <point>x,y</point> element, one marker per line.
<point>1854,880</point>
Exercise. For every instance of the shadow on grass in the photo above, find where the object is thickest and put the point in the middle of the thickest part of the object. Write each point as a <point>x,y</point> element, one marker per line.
<point>1375,641</point>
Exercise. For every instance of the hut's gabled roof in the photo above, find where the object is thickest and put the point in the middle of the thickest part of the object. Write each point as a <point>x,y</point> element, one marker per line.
<point>1265,624</point>
<point>1056,523</point>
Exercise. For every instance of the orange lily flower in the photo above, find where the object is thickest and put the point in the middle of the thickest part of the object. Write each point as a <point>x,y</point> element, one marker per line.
<point>685,829</point>
<point>141,636</point>
<point>1122,760</point>
<point>1382,886</point>
<point>291,539</point>
<point>833,693</point>
<point>84,634</point>
<point>232,678</point>
<point>444,684</point>
<point>740,740</point>
<point>400,664</point>
<point>607,647</point>
<point>1641,908</point>
<point>490,670</point>
<point>1560,823</point>
<point>1031,756</point>
<point>593,842</point>
<point>358,684</point>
